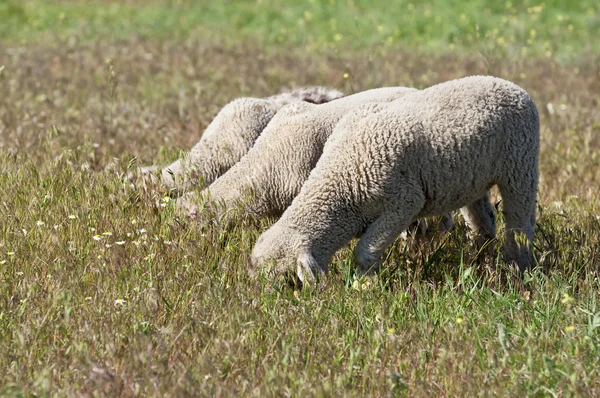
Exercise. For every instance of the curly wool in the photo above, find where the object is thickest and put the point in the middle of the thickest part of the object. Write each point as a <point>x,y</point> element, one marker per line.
<point>435,151</point>
<point>231,134</point>
<point>270,176</point>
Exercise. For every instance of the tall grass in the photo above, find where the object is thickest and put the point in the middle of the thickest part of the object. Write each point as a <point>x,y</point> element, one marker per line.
<point>106,290</point>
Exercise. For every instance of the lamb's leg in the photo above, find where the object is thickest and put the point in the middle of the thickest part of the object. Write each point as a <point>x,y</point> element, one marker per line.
<point>480,216</point>
<point>380,234</point>
<point>519,214</point>
<point>424,226</point>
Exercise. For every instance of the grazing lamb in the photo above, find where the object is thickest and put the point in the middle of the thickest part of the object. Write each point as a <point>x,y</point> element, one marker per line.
<point>229,137</point>
<point>437,150</point>
<point>269,177</point>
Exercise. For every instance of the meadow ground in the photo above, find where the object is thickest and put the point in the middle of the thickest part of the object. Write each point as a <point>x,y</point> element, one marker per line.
<point>105,291</point>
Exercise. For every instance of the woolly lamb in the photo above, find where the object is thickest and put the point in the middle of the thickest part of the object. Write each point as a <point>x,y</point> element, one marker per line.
<point>270,176</point>
<point>230,135</point>
<point>437,150</point>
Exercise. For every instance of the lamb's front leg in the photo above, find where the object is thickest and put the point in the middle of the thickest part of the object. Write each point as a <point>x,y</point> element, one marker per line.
<point>382,233</point>
<point>480,216</point>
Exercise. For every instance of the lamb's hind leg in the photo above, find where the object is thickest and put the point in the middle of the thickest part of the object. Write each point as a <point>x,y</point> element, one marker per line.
<point>381,233</point>
<point>519,214</point>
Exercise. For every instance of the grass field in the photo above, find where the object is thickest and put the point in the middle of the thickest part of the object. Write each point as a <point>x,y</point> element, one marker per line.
<point>105,291</point>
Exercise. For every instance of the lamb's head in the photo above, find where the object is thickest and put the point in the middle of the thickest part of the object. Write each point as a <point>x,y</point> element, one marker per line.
<point>282,252</point>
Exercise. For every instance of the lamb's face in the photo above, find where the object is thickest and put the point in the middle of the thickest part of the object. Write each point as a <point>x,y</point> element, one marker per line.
<point>275,251</point>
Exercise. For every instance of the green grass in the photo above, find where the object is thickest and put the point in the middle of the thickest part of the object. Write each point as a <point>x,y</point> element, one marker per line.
<point>546,28</point>
<point>106,291</point>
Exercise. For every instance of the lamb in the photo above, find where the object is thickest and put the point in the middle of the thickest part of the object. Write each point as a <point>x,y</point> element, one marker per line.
<point>269,177</point>
<point>437,150</point>
<point>229,137</point>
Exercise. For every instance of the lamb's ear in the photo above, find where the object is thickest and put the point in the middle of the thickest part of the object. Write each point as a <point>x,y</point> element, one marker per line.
<point>307,267</point>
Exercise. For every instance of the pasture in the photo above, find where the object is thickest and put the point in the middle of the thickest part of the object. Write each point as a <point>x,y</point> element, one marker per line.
<point>106,291</point>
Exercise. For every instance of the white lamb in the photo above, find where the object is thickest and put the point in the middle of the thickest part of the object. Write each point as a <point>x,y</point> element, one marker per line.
<point>230,135</point>
<point>437,150</point>
<point>269,177</point>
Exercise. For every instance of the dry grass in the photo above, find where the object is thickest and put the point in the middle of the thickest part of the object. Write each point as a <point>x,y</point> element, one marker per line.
<point>104,291</point>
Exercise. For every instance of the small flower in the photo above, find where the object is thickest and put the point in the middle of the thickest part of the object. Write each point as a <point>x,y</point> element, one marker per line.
<point>72,217</point>
<point>120,302</point>
<point>2,262</point>
<point>97,237</point>
<point>120,243</point>
<point>459,320</point>
<point>567,299</point>
<point>391,330</point>
<point>569,328</point>
<point>24,231</point>
<point>346,75</point>
<point>142,231</point>
<point>10,253</point>
<point>40,223</point>
<point>107,233</point>
<point>20,273</point>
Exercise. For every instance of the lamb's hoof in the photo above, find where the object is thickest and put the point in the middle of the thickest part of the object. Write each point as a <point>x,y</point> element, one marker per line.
<point>367,264</point>
<point>364,271</point>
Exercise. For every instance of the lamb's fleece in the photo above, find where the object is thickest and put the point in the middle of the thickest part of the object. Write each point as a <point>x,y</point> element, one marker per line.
<point>437,150</point>
<point>230,135</point>
<point>269,177</point>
